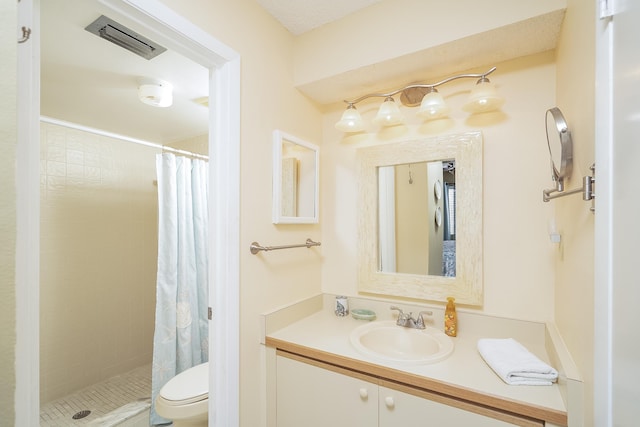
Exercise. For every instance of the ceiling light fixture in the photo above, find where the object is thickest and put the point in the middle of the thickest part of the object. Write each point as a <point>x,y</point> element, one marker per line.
<point>157,93</point>
<point>483,98</point>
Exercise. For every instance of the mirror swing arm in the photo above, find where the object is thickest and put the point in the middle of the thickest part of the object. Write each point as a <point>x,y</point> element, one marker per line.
<point>560,146</point>
<point>587,189</point>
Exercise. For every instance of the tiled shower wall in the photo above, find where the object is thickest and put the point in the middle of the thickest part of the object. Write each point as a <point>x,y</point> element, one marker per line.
<point>98,258</point>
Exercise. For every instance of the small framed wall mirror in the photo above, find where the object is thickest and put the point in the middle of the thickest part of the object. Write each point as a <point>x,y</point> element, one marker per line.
<point>295,180</point>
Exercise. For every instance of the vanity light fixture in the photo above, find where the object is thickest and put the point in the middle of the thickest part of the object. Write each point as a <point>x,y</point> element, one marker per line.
<point>483,98</point>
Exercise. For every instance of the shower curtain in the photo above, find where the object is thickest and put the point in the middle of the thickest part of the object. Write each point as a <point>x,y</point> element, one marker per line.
<point>181,326</point>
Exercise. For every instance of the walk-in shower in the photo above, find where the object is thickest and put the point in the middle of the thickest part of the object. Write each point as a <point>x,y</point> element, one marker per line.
<point>99,246</point>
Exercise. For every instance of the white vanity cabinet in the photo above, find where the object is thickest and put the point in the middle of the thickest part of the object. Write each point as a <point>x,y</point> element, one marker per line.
<point>311,393</point>
<point>311,396</point>
<point>398,408</point>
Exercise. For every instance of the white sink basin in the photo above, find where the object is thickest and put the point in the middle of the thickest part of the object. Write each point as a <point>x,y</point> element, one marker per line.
<point>389,342</point>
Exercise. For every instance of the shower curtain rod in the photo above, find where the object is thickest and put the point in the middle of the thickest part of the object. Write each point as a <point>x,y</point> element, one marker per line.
<point>122,137</point>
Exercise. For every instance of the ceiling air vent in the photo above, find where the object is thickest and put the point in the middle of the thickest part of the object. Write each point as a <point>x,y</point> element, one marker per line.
<point>114,32</point>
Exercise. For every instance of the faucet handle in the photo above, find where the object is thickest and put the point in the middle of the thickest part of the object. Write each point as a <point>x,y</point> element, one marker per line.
<point>402,318</point>
<point>420,320</point>
<point>400,312</point>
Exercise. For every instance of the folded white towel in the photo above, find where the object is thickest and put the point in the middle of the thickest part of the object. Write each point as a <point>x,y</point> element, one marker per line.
<point>512,362</point>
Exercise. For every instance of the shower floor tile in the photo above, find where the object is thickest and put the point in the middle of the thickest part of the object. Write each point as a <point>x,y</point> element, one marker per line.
<point>110,402</point>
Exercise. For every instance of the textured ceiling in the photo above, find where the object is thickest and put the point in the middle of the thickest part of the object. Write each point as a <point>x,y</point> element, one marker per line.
<point>300,16</point>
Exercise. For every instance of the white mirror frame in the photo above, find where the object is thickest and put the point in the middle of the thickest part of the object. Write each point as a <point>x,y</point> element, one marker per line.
<point>466,287</point>
<point>279,139</point>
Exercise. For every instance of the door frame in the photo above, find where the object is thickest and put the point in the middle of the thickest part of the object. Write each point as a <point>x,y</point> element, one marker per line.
<point>177,33</point>
<point>603,228</point>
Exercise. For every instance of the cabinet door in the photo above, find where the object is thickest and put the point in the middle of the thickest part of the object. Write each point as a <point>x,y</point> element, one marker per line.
<point>310,396</point>
<point>403,409</point>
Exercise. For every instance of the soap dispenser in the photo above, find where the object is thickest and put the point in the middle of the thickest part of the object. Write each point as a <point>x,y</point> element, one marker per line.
<point>450,318</point>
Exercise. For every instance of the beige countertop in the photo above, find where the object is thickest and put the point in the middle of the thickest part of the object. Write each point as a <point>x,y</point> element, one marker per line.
<point>321,335</point>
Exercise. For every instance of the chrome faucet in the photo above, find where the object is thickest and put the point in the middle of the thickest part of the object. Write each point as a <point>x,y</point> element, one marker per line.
<point>407,321</point>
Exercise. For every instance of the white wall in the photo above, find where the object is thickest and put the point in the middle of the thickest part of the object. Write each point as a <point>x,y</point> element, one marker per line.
<point>617,293</point>
<point>518,266</point>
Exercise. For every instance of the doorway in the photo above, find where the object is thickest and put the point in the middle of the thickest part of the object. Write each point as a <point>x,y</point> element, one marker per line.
<point>223,63</point>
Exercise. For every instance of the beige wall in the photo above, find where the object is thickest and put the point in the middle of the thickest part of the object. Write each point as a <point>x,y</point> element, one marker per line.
<point>269,102</point>
<point>518,267</point>
<point>574,277</point>
<point>412,207</point>
<point>8,137</point>
<point>98,257</point>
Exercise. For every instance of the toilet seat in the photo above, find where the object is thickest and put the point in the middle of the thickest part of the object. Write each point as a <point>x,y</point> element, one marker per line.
<point>183,402</point>
<point>184,399</point>
<point>189,386</point>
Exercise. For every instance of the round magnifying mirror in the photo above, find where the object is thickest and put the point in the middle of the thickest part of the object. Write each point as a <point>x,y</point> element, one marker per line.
<point>560,146</point>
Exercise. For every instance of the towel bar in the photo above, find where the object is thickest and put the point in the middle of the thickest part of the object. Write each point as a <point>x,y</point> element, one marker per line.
<point>255,246</point>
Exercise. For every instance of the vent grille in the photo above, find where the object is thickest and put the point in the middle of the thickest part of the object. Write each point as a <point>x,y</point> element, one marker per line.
<point>124,37</point>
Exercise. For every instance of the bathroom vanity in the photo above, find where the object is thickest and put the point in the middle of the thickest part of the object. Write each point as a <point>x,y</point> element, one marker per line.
<point>316,377</point>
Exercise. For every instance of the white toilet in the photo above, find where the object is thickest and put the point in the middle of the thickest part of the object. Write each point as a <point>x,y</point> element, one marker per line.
<point>184,399</point>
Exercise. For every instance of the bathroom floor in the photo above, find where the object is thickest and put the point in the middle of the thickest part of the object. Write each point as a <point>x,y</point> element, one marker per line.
<point>112,402</point>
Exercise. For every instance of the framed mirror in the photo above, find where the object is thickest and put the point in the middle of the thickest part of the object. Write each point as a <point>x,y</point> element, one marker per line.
<point>420,232</point>
<point>560,146</point>
<point>295,180</point>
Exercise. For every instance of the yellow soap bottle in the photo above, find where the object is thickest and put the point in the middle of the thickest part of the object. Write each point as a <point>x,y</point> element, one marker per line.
<point>450,318</point>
